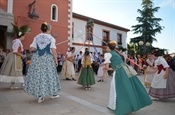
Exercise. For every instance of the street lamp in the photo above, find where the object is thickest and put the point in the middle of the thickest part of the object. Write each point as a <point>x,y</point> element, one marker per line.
<point>141,43</point>
<point>144,45</point>
<point>148,44</point>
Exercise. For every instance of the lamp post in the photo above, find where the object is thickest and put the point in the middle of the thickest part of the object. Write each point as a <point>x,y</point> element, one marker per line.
<point>144,46</point>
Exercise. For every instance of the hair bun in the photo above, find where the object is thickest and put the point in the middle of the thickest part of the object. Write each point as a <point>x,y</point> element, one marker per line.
<point>113,42</point>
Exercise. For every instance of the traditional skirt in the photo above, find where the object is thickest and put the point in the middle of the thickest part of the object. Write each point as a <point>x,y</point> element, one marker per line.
<point>42,78</point>
<point>68,70</point>
<point>127,93</point>
<point>163,88</point>
<point>11,70</point>
<point>86,77</point>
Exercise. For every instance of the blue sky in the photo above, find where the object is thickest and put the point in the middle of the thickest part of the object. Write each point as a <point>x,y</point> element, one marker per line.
<point>124,12</point>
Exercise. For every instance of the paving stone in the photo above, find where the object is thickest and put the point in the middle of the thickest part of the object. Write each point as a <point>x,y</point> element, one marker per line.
<point>73,100</point>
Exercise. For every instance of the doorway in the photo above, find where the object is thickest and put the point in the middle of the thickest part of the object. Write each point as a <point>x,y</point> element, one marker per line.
<point>3,40</point>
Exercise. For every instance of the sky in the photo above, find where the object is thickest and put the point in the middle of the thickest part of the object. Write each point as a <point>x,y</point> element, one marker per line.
<point>124,12</point>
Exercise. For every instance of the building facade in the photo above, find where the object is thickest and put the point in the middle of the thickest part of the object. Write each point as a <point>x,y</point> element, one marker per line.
<point>56,12</point>
<point>68,28</point>
<point>102,31</point>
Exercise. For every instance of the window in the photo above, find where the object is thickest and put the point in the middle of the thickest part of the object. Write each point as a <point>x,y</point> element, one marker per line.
<point>119,39</point>
<point>72,30</point>
<point>54,12</point>
<point>105,37</point>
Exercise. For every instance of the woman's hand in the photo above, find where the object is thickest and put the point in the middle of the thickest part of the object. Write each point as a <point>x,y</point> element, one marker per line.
<point>56,62</point>
<point>110,69</point>
<point>23,56</point>
<point>165,76</point>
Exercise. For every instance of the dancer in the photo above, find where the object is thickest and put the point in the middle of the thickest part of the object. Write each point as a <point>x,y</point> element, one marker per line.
<point>149,72</point>
<point>68,69</point>
<point>42,79</point>
<point>101,73</point>
<point>163,83</point>
<point>127,93</point>
<point>11,70</point>
<point>86,78</point>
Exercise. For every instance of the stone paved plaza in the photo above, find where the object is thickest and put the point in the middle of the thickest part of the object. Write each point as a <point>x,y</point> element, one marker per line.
<point>73,100</point>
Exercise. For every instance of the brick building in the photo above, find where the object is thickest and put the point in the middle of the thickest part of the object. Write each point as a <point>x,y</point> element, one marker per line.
<point>57,12</point>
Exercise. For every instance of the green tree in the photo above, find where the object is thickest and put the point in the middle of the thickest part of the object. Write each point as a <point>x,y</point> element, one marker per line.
<point>148,25</point>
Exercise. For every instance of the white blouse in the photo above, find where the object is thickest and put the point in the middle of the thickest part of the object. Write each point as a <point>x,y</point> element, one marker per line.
<point>107,57</point>
<point>161,60</point>
<point>16,44</point>
<point>150,62</point>
<point>42,40</point>
<point>69,54</point>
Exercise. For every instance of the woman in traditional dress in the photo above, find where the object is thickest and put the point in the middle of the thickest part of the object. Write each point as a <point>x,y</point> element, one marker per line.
<point>68,69</point>
<point>127,94</point>
<point>163,83</point>
<point>11,70</point>
<point>42,79</point>
<point>86,78</point>
<point>149,72</point>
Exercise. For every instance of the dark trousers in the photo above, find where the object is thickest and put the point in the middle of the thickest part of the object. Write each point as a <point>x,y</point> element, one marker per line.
<point>59,68</point>
<point>79,65</point>
<point>1,64</point>
<point>95,67</point>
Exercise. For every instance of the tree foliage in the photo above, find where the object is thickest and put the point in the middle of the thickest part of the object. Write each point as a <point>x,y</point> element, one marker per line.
<point>24,29</point>
<point>147,28</point>
<point>148,25</point>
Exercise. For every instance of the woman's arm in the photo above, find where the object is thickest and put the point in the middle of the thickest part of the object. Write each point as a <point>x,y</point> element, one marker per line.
<point>106,66</point>
<point>70,59</point>
<point>166,66</point>
<point>166,73</point>
<point>32,49</point>
<point>19,54</point>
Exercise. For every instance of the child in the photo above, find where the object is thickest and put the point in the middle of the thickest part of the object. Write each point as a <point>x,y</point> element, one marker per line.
<point>86,78</point>
<point>101,72</point>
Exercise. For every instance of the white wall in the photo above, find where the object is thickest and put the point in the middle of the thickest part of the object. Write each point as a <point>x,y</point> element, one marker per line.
<point>79,34</point>
<point>10,6</point>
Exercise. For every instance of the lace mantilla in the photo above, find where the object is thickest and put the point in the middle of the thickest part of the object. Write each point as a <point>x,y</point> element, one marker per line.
<point>42,41</point>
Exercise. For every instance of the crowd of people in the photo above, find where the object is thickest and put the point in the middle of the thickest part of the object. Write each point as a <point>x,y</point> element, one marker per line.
<point>144,65</point>
<point>38,70</point>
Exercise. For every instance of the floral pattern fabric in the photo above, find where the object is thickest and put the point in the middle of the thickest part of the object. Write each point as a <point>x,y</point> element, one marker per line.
<point>42,78</point>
